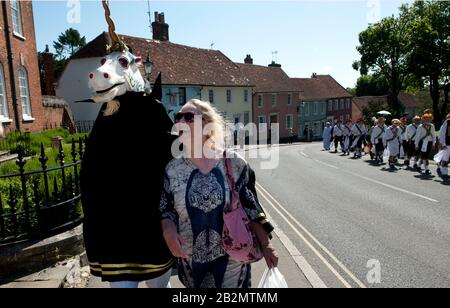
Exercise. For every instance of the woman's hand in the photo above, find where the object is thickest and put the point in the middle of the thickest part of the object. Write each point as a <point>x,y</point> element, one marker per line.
<point>173,240</point>
<point>270,255</point>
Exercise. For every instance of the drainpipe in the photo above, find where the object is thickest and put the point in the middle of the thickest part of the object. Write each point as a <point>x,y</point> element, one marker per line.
<point>11,65</point>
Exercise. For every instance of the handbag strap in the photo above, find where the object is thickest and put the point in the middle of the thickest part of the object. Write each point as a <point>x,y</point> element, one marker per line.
<point>234,201</point>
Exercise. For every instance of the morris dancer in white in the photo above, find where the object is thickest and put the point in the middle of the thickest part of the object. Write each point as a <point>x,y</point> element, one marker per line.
<point>425,141</point>
<point>359,132</point>
<point>327,137</point>
<point>443,157</point>
<point>392,140</point>
<point>403,140</point>
<point>410,150</point>
<point>377,139</point>
<point>347,137</point>
<point>338,133</point>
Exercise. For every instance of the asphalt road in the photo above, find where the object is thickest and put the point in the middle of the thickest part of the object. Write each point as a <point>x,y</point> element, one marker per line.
<point>359,225</point>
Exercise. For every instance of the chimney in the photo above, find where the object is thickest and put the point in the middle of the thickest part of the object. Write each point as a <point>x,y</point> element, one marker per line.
<point>49,72</point>
<point>160,28</point>
<point>248,60</point>
<point>314,75</point>
<point>273,64</point>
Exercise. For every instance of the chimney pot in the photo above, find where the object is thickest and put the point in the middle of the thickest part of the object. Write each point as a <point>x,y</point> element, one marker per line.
<point>160,28</point>
<point>248,60</point>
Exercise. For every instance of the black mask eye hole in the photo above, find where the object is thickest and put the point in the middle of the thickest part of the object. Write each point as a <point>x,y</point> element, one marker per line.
<point>103,61</point>
<point>124,62</point>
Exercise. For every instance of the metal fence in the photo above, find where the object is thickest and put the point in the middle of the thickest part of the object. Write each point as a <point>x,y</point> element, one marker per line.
<point>40,203</point>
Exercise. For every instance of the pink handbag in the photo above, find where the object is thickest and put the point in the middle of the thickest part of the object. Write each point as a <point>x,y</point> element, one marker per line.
<point>238,238</point>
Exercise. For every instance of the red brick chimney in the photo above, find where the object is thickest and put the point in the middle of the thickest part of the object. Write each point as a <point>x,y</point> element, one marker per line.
<point>248,60</point>
<point>160,28</point>
<point>49,71</point>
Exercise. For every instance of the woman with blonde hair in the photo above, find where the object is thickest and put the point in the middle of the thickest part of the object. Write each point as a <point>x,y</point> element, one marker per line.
<point>195,195</point>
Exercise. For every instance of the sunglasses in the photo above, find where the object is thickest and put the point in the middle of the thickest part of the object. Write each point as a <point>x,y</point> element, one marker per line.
<point>187,116</point>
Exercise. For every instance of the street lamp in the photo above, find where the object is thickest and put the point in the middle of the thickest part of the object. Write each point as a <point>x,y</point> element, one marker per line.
<point>148,67</point>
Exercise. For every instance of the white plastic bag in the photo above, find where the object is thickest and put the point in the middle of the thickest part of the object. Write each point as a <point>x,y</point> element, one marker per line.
<point>272,279</point>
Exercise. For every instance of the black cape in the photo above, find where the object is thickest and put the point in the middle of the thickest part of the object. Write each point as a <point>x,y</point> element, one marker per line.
<point>121,182</point>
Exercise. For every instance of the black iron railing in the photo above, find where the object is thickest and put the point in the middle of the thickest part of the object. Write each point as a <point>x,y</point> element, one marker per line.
<point>40,203</point>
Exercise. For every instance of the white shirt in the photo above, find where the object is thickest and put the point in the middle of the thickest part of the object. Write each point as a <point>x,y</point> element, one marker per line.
<point>411,132</point>
<point>393,134</point>
<point>358,132</point>
<point>403,132</point>
<point>422,135</point>
<point>338,131</point>
<point>443,134</point>
<point>377,133</point>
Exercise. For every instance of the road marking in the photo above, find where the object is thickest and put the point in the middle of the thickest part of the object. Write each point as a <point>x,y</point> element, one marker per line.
<point>393,187</point>
<point>301,262</point>
<point>325,164</point>
<point>321,257</point>
<point>304,154</point>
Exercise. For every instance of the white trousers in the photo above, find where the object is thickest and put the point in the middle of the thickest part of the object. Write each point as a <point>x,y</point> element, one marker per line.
<point>158,283</point>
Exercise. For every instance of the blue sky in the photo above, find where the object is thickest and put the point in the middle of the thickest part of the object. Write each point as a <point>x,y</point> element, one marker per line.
<point>310,36</point>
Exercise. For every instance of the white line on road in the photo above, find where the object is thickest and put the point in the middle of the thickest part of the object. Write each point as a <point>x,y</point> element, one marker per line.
<point>393,187</point>
<point>301,262</point>
<point>328,165</point>
<point>304,154</point>
<point>321,257</point>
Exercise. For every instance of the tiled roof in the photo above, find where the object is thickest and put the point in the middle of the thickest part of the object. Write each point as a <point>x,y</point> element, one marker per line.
<point>179,64</point>
<point>408,100</point>
<point>320,87</point>
<point>268,79</point>
<point>363,101</point>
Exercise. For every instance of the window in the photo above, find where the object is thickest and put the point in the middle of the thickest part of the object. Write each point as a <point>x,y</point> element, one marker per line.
<point>3,100</point>
<point>261,119</point>
<point>24,94</point>
<point>289,102</point>
<point>274,100</point>
<point>306,109</point>
<point>323,106</point>
<point>211,96</point>
<point>260,101</point>
<point>181,96</point>
<point>246,96</point>
<point>347,117</point>
<point>330,106</point>
<point>348,103</point>
<point>246,118</point>
<point>336,105</point>
<point>16,18</point>
<point>341,104</point>
<point>315,108</point>
<point>289,121</point>
<point>228,96</point>
<point>237,118</point>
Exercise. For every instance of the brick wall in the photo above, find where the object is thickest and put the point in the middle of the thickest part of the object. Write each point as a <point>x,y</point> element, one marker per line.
<point>24,54</point>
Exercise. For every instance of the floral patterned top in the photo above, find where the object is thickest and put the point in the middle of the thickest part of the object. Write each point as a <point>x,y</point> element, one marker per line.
<point>195,203</point>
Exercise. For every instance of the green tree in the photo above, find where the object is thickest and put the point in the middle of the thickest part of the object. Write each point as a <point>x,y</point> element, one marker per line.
<point>68,43</point>
<point>428,57</point>
<point>371,110</point>
<point>383,53</point>
<point>370,85</point>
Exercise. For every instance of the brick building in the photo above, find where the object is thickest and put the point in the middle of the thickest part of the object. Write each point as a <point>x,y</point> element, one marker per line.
<point>21,106</point>
<point>275,96</point>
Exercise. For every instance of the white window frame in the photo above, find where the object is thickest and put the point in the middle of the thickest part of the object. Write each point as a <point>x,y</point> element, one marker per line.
<point>263,117</point>
<point>274,100</point>
<point>341,104</point>
<point>229,98</point>
<point>291,117</point>
<point>289,99</point>
<point>348,103</point>
<point>211,96</point>
<point>260,101</point>
<point>16,17</point>
<point>25,99</point>
<point>335,104</point>
<point>246,96</point>
<point>246,117</point>
<point>4,114</point>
